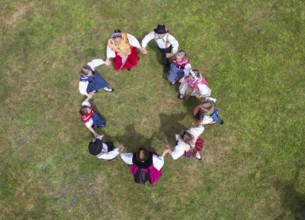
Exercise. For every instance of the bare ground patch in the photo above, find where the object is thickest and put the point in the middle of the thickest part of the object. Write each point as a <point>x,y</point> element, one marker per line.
<point>15,17</point>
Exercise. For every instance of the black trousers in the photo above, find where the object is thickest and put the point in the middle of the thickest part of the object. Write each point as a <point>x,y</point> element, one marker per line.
<point>165,61</point>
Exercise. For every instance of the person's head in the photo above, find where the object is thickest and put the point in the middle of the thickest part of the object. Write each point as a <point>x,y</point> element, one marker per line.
<point>117,36</point>
<point>95,146</point>
<point>142,154</point>
<point>180,55</point>
<point>186,136</point>
<point>84,110</point>
<point>194,74</point>
<point>85,70</point>
<point>160,30</point>
<point>207,107</point>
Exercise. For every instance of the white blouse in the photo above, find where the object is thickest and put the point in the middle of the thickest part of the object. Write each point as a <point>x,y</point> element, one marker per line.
<point>132,40</point>
<point>179,149</point>
<point>161,41</point>
<point>105,154</point>
<point>82,85</point>
<point>158,161</point>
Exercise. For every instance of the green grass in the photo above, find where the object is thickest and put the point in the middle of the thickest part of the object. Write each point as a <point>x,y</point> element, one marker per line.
<point>253,166</point>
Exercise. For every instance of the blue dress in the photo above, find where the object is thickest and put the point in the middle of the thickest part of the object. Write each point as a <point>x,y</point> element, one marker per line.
<point>98,121</point>
<point>175,73</point>
<point>96,81</point>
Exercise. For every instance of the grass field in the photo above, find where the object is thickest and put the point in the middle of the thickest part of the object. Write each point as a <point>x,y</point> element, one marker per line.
<point>253,166</point>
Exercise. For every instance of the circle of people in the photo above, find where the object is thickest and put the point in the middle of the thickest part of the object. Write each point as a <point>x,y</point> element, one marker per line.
<point>122,49</point>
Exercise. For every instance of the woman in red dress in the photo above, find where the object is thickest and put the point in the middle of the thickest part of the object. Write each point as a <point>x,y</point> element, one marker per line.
<point>122,48</point>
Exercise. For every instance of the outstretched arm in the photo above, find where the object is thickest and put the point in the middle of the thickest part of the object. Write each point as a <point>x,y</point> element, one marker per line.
<point>95,63</point>
<point>146,40</point>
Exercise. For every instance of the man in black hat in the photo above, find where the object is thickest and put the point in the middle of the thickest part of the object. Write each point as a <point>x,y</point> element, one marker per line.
<point>103,150</point>
<point>167,44</point>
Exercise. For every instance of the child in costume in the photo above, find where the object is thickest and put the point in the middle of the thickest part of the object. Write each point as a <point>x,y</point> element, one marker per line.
<point>195,85</point>
<point>188,143</point>
<point>146,165</point>
<point>103,150</point>
<point>91,80</point>
<point>206,113</point>
<point>167,44</point>
<point>122,47</point>
<point>90,117</point>
<point>180,68</point>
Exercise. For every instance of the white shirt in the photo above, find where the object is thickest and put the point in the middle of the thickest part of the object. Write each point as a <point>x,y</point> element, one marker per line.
<point>203,90</point>
<point>187,69</point>
<point>158,161</point>
<point>181,146</point>
<point>107,155</point>
<point>161,41</point>
<point>132,40</point>
<point>90,122</point>
<point>207,119</point>
<point>82,85</point>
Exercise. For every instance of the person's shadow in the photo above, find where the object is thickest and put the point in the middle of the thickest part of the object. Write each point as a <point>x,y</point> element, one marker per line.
<point>131,139</point>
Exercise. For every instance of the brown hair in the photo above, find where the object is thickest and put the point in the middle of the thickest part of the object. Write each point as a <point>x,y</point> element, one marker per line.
<point>206,106</point>
<point>142,154</point>
<point>84,70</point>
<point>184,53</point>
<point>83,110</point>
<point>186,136</point>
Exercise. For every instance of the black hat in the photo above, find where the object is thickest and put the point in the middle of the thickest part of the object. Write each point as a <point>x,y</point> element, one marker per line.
<point>95,146</point>
<point>160,29</point>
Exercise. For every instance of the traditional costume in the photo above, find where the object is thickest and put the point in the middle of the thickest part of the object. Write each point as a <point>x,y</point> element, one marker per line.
<point>166,44</point>
<point>197,85</point>
<point>191,149</point>
<point>94,82</point>
<point>125,54</point>
<point>210,115</point>
<point>103,150</point>
<point>178,70</point>
<point>149,170</point>
<point>92,118</point>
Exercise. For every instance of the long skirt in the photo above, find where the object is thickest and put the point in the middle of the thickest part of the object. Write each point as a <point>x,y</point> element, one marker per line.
<point>98,121</point>
<point>97,83</point>
<point>132,60</point>
<point>198,147</point>
<point>175,73</point>
<point>151,172</point>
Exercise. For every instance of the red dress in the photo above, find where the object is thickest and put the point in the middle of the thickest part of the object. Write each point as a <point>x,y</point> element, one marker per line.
<point>131,61</point>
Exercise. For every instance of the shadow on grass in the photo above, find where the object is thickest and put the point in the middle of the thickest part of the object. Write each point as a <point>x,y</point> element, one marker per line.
<point>131,139</point>
<point>170,125</point>
<point>292,200</point>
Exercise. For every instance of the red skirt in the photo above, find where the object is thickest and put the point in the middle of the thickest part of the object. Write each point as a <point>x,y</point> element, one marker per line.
<point>131,61</point>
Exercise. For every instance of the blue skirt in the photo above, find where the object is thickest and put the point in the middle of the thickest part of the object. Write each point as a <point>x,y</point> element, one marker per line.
<point>97,83</point>
<point>98,121</point>
<point>175,73</point>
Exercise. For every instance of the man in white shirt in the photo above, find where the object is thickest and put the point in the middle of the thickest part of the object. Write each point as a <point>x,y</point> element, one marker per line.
<point>167,44</point>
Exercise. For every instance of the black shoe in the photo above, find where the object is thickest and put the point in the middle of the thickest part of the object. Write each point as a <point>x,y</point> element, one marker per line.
<point>172,83</point>
<point>128,69</point>
<point>180,96</point>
